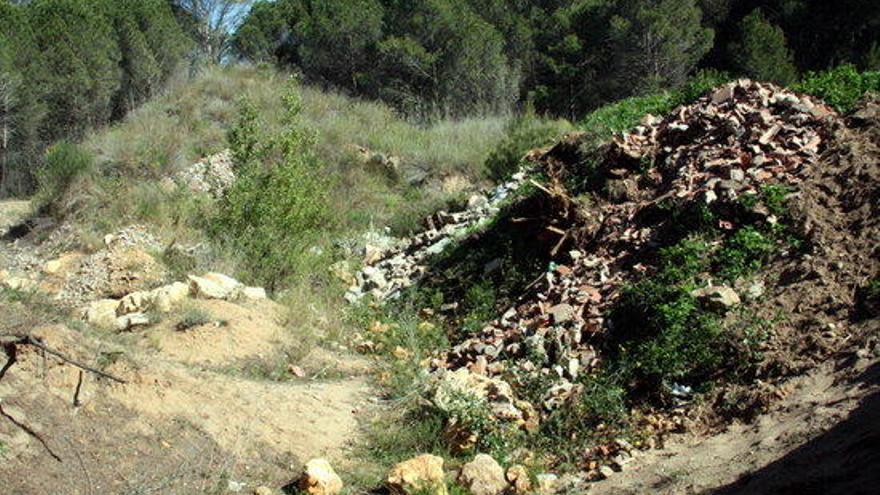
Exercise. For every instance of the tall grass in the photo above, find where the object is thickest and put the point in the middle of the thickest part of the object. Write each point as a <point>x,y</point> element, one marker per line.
<point>191,119</point>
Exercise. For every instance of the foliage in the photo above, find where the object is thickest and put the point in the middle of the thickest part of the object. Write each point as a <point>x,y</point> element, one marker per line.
<point>192,317</point>
<point>81,64</point>
<point>658,44</point>
<point>744,253</point>
<point>761,52</point>
<point>275,212</point>
<point>523,134</point>
<point>600,407</point>
<point>841,87</point>
<point>337,38</point>
<point>64,162</point>
<point>624,114</point>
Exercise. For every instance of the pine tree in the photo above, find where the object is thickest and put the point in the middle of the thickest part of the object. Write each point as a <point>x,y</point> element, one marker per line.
<point>657,44</point>
<point>762,52</point>
<point>338,38</point>
<point>80,58</point>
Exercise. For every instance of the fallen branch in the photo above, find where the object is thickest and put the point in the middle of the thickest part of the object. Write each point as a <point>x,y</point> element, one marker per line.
<point>9,342</point>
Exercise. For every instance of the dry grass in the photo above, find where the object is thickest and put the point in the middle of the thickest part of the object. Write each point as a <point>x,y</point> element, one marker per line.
<point>190,121</point>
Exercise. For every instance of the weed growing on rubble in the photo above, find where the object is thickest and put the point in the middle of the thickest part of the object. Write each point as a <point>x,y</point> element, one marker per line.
<point>626,114</point>
<point>840,87</point>
<point>744,253</point>
<point>599,410</point>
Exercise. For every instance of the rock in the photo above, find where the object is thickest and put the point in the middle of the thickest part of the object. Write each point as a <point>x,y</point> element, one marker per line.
<point>132,320</point>
<point>438,246</point>
<point>372,254</point>
<point>477,201</point>
<point>212,175</point>
<point>483,476</point>
<point>450,386</point>
<point>375,276</point>
<point>561,313</point>
<point>139,301</point>
<point>102,313</point>
<point>342,271</point>
<point>162,299</point>
<point>547,483</point>
<point>718,297</point>
<point>520,482</point>
<point>606,472</point>
<point>167,297</point>
<point>214,286</point>
<point>263,490</point>
<point>254,293</point>
<point>319,478</point>
<point>419,475</point>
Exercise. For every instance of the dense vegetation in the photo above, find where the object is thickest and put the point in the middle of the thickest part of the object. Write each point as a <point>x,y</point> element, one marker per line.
<point>567,56</point>
<point>67,66</point>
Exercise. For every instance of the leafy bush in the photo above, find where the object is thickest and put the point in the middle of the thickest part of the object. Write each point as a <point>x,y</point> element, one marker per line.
<point>523,134</point>
<point>744,253</point>
<point>273,215</point>
<point>63,163</point>
<point>840,87</point>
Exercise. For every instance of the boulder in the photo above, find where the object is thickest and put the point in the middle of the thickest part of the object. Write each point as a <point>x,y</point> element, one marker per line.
<point>132,320</point>
<point>319,478</point>
<point>162,299</point>
<point>214,286</point>
<point>450,386</point>
<point>139,301</point>
<point>483,476</point>
<point>165,298</point>
<point>518,477</point>
<point>254,293</point>
<point>102,313</point>
<point>419,475</point>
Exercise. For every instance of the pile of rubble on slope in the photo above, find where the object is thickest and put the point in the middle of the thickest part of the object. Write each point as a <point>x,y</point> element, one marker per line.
<point>735,140</point>
<point>401,263</point>
<point>212,175</point>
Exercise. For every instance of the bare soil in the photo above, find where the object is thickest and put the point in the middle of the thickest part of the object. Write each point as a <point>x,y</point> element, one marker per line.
<point>187,421</point>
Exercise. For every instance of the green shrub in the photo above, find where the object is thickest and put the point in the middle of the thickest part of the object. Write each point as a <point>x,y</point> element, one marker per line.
<point>64,162</point>
<point>840,87</point>
<point>744,253</point>
<point>626,114</point>
<point>192,317</point>
<point>524,133</point>
<point>274,214</point>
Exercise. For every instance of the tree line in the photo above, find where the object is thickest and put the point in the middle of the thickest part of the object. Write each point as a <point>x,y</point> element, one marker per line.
<point>70,65</point>
<point>566,57</point>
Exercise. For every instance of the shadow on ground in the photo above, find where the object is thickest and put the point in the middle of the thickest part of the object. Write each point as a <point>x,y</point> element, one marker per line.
<point>844,460</point>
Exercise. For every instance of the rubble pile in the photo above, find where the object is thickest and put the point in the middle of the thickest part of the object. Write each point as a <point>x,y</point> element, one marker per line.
<point>392,266</point>
<point>731,142</point>
<point>212,175</point>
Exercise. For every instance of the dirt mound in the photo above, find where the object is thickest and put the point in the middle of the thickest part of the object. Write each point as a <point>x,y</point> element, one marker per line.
<point>837,209</point>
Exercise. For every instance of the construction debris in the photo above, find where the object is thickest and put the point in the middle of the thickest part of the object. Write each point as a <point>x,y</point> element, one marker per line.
<point>730,143</point>
<point>398,264</point>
